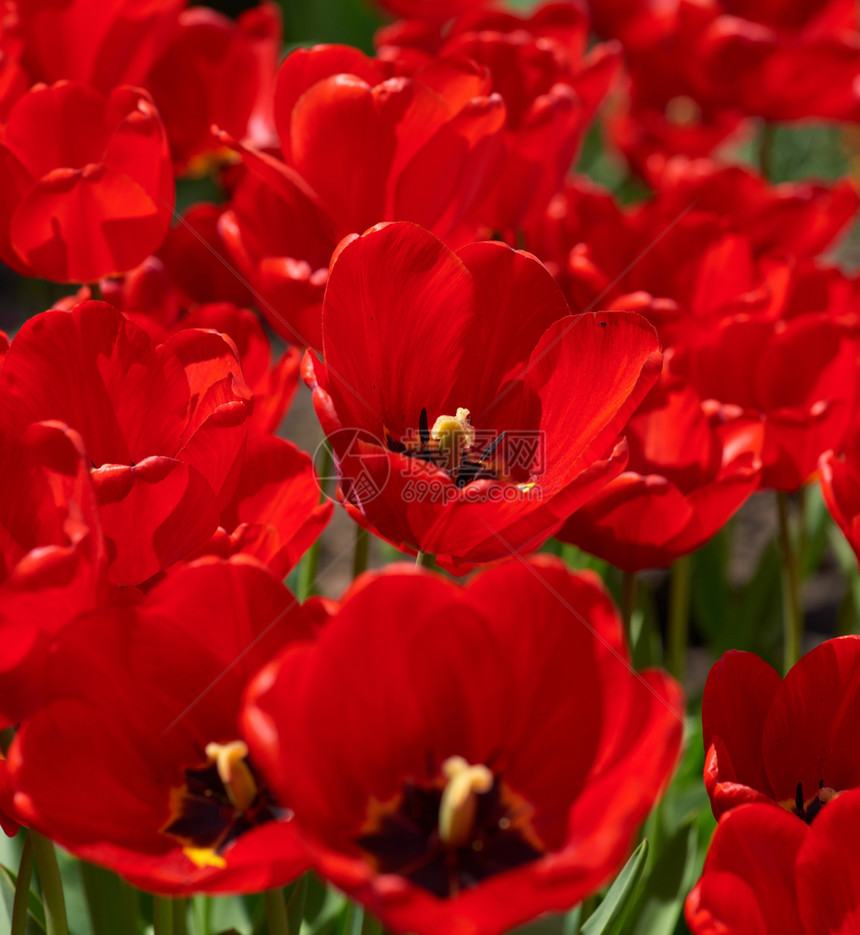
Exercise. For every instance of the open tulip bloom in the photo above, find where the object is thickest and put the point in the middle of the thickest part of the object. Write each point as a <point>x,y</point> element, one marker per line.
<point>429,266</point>
<point>469,413</point>
<point>767,874</point>
<point>154,781</point>
<point>475,771</point>
<point>787,742</point>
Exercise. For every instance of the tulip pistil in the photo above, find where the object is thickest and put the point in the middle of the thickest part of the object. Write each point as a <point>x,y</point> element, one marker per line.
<point>459,805</point>
<point>453,444</point>
<point>218,802</point>
<point>450,831</point>
<point>809,810</point>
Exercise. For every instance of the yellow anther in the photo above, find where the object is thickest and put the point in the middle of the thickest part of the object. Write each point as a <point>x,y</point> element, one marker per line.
<point>204,857</point>
<point>233,771</point>
<point>454,432</point>
<point>459,805</point>
<point>683,111</point>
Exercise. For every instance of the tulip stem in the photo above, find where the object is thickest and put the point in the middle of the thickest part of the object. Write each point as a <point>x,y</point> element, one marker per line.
<point>792,610</point>
<point>53,897</point>
<point>276,912</point>
<point>425,560</point>
<point>310,563</point>
<point>628,601</point>
<point>308,572</point>
<point>180,917</point>
<point>679,617</point>
<point>162,915</point>
<point>361,552</point>
<point>108,896</point>
<point>21,903</point>
<point>765,150</point>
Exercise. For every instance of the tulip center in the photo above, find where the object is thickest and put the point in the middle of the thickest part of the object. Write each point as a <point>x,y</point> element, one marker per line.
<point>454,445</point>
<point>218,802</point>
<point>449,833</point>
<point>683,111</point>
<point>808,810</point>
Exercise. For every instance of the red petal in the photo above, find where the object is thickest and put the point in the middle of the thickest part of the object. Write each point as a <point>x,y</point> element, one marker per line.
<point>154,513</point>
<point>748,884</point>
<point>813,714</point>
<point>739,693</point>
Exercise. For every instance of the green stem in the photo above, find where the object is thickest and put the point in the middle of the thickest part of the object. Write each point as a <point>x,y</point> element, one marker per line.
<point>308,572</point>
<point>586,910</point>
<point>276,912</point>
<point>628,601</point>
<point>361,552</point>
<point>21,903</point>
<point>296,903</point>
<point>679,617</point>
<point>180,916</point>
<point>324,468</point>
<point>310,563</point>
<point>162,915</point>
<point>129,907</point>
<point>792,611</point>
<point>53,897</point>
<point>425,560</point>
<point>765,150</point>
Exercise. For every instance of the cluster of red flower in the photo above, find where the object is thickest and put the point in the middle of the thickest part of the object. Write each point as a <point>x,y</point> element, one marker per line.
<point>456,757</point>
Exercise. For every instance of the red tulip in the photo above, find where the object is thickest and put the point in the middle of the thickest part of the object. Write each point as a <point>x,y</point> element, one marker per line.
<point>273,384</point>
<point>703,241</point>
<point>275,513</point>
<point>14,79</point>
<point>198,262</point>
<point>692,465</point>
<point>766,874</point>
<point>800,374</point>
<point>432,10</point>
<point>455,785</point>
<point>151,300</point>
<point>469,414</point>
<point>550,86</point>
<point>164,426</point>
<point>194,82</point>
<point>780,61</point>
<point>52,553</point>
<point>101,43</point>
<point>359,147</point>
<point>122,765</point>
<point>8,824</point>
<point>840,485</point>
<point>785,742</point>
<point>97,197</point>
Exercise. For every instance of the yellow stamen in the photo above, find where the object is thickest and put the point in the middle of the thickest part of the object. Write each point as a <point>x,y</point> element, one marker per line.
<point>454,432</point>
<point>233,771</point>
<point>683,111</point>
<point>204,857</point>
<point>459,805</point>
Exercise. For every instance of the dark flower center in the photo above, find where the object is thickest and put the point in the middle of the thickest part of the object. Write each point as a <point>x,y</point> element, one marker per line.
<point>452,833</point>
<point>453,445</point>
<point>218,803</point>
<point>808,811</point>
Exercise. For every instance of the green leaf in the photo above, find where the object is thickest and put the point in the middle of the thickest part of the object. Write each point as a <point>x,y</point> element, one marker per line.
<point>609,916</point>
<point>661,901</point>
<point>111,901</point>
<point>325,909</point>
<point>35,910</point>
